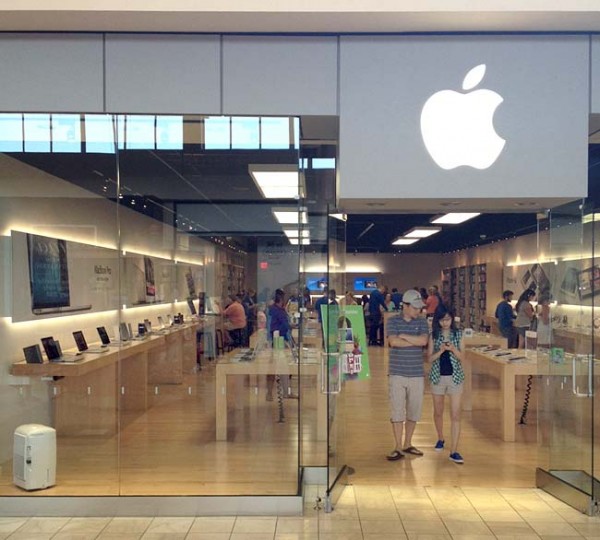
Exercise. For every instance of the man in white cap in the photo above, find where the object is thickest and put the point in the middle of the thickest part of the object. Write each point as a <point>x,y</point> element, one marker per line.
<point>407,334</point>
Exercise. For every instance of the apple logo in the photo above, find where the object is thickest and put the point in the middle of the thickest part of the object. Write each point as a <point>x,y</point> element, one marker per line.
<point>458,129</point>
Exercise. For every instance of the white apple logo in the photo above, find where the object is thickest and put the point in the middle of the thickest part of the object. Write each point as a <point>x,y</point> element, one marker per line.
<point>458,129</point>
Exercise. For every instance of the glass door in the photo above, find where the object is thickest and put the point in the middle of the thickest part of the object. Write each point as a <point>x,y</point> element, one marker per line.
<point>566,364</point>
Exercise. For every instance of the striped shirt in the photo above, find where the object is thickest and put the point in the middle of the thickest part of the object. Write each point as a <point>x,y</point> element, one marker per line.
<point>406,361</point>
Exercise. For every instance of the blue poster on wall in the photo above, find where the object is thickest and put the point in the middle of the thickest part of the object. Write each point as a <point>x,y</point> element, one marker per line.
<point>48,272</point>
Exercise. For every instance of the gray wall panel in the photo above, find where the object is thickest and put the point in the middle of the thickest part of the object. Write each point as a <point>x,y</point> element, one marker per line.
<point>279,75</point>
<point>51,73</point>
<point>595,75</point>
<point>385,82</point>
<point>163,74</point>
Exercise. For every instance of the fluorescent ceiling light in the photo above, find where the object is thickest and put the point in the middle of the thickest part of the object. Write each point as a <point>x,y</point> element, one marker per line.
<point>422,232</point>
<point>290,216</point>
<point>295,233</point>
<point>341,217</point>
<point>404,241</point>
<point>454,218</point>
<point>295,241</point>
<point>590,218</point>
<point>277,181</point>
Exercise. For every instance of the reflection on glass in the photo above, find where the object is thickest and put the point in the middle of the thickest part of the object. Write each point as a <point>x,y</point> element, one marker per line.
<point>37,132</point>
<point>99,134</point>
<point>244,132</point>
<point>11,133</point>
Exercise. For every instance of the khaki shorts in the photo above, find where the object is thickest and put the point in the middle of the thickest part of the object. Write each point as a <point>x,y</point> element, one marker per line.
<point>446,387</point>
<point>406,398</point>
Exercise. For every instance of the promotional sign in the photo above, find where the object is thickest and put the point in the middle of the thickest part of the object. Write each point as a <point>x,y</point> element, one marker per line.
<point>344,333</point>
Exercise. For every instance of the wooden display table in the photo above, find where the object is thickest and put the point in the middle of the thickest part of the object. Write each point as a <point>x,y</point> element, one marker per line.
<point>506,372</point>
<point>267,362</point>
<point>88,394</point>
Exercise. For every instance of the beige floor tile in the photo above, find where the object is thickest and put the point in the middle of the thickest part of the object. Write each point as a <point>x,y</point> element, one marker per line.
<point>208,536</point>
<point>429,527</point>
<point>409,493</point>
<point>500,515</point>
<point>348,513</point>
<point>170,525</point>
<point>30,536</point>
<point>348,535</point>
<point>296,525</point>
<point>464,515</point>
<point>374,514</point>
<point>11,524</point>
<point>418,515</point>
<point>127,525</point>
<point>252,536</point>
<point>587,529</point>
<point>76,535</point>
<point>473,537</point>
<point>119,536</point>
<point>255,525</point>
<point>381,526</point>
<point>205,525</point>
<point>553,529</point>
<point>163,536</point>
<point>44,525</point>
<point>427,536</point>
<point>517,537</point>
<point>508,528</point>
<point>297,536</point>
<point>385,536</point>
<point>544,517</point>
<point>341,526</point>
<point>467,527</point>
<point>86,525</point>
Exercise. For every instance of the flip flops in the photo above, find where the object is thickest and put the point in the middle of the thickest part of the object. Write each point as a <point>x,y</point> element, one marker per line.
<point>394,456</point>
<point>413,451</point>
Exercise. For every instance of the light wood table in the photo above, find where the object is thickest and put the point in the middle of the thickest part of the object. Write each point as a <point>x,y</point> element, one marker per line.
<point>478,339</point>
<point>267,362</point>
<point>88,394</point>
<point>506,372</point>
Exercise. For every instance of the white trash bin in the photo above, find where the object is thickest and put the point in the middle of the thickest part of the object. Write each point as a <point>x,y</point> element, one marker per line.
<point>34,457</point>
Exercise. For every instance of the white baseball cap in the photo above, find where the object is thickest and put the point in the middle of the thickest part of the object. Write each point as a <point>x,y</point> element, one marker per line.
<point>413,298</point>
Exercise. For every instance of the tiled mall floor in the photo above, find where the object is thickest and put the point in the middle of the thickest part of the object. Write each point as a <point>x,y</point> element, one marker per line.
<point>363,512</point>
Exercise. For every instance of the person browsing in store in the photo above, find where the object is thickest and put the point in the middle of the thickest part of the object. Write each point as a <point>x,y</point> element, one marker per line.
<point>407,334</point>
<point>445,352</point>
<point>506,316</point>
<point>525,314</point>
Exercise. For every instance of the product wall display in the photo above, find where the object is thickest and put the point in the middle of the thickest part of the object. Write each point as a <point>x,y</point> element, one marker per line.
<point>54,277</point>
<point>569,282</point>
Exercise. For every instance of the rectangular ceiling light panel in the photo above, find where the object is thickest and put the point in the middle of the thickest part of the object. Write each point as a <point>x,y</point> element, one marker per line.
<point>278,181</point>
<point>453,218</point>
<point>422,232</point>
<point>404,241</point>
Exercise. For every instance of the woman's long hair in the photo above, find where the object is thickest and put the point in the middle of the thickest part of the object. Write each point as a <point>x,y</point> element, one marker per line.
<point>441,311</point>
<point>526,295</point>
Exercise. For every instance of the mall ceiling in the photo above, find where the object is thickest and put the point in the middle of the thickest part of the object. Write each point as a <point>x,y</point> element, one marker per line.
<point>217,196</point>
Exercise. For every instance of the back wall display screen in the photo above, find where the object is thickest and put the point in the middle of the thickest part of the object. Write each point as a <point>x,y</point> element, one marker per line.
<point>316,284</point>
<point>48,272</point>
<point>365,284</point>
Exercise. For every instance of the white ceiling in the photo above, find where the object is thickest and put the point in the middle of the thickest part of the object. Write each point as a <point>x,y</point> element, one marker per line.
<point>337,16</point>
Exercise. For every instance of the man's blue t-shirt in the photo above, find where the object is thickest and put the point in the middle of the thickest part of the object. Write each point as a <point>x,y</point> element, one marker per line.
<point>505,314</point>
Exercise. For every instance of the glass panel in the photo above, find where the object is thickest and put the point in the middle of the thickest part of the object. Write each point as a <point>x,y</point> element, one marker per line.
<point>565,353</point>
<point>131,236</point>
<point>61,274</point>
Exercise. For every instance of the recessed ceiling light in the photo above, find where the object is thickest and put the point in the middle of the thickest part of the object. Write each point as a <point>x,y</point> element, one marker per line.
<point>453,218</point>
<point>277,181</point>
<point>404,241</point>
<point>341,217</point>
<point>296,241</point>
<point>421,232</point>
<point>290,216</point>
<point>295,233</point>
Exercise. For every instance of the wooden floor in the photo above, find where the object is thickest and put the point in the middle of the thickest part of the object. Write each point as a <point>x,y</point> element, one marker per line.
<point>171,449</point>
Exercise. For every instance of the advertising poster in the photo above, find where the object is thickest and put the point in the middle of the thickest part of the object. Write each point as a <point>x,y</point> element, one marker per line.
<point>48,272</point>
<point>344,332</point>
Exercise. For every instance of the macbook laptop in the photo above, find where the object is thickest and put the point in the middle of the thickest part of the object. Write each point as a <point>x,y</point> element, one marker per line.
<point>82,345</point>
<point>54,352</point>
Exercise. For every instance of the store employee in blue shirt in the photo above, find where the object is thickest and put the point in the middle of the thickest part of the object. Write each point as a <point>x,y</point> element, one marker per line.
<point>506,316</point>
